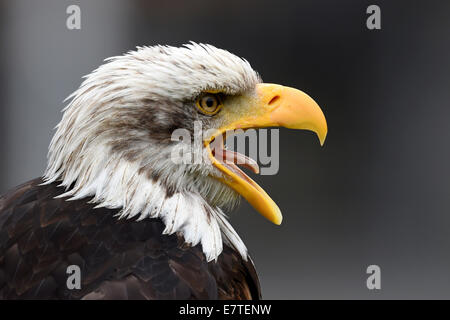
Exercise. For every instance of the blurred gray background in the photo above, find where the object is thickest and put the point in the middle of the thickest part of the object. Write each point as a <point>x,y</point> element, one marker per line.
<point>376,193</point>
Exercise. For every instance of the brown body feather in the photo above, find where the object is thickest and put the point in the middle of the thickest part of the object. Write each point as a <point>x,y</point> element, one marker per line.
<point>40,236</point>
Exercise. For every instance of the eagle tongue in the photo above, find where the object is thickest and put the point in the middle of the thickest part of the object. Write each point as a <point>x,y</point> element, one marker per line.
<point>232,158</point>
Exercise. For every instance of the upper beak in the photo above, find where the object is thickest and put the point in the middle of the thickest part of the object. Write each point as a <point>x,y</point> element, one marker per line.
<point>290,108</point>
<point>272,106</point>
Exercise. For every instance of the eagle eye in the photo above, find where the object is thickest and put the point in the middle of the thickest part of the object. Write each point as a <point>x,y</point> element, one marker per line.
<point>209,103</point>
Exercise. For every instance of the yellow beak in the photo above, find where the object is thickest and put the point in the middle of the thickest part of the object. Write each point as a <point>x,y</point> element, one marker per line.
<point>272,106</point>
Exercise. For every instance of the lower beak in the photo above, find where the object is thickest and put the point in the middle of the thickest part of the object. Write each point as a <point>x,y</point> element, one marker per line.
<point>273,106</point>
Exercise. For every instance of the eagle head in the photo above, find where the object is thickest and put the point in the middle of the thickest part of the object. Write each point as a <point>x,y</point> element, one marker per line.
<point>115,142</point>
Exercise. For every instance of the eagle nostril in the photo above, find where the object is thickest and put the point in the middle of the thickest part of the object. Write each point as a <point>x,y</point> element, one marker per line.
<point>274,99</point>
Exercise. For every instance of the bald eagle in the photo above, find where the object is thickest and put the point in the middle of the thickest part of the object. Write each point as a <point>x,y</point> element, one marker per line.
<point>114,203</point>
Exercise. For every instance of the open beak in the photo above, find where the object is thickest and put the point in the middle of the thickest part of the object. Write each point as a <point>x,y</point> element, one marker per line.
<point>272,106</point>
